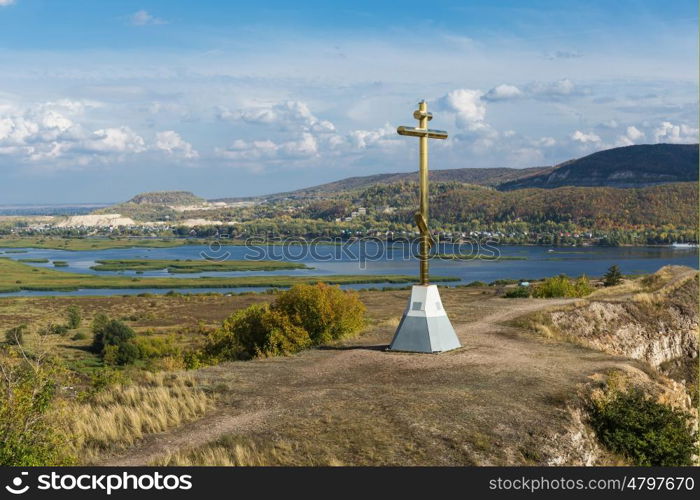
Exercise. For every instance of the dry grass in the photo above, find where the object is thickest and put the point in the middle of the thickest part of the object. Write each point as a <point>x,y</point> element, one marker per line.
<point>653,318</point>
<point>238,452</point>
<point>647,298</point>
<point>120,415</point>
<point>626,288</point>
<point>664,281</point>
<point>216,455</point>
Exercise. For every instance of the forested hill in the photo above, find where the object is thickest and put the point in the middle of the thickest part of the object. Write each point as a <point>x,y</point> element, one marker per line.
<point>166,198</point>
<point>626,167</point>
<point>155,206</point>
<point>455,203</point>
<point>642,204</point>
<point>479,176</point>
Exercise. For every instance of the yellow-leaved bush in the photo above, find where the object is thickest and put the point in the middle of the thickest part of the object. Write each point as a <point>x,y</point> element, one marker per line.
<point>304,316</point>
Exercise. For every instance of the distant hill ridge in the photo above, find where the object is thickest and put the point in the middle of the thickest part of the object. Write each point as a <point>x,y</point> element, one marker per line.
<point>625,167</point>
<point>167,198</point>
<point>479,176</point>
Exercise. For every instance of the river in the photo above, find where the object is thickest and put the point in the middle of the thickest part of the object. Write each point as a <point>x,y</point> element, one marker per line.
<point>516,262</point>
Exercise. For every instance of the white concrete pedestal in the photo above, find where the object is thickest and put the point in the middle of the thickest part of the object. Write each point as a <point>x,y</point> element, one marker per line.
<point>425,326</point>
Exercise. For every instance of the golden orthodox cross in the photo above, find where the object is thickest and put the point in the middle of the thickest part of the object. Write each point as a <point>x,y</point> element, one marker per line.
<point>421,217</point>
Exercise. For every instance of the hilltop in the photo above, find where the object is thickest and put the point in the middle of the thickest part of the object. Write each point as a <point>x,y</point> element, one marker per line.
<point>636,195</point>
<point>167,198</point>
<point>478,176</point>
<point>625,167</point>
<point>156,206</point>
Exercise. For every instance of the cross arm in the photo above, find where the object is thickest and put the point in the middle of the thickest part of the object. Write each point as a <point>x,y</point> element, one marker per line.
<point>422,132</point>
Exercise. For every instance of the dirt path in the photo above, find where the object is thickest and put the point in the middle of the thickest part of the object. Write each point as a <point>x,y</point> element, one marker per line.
<point>271,388</point>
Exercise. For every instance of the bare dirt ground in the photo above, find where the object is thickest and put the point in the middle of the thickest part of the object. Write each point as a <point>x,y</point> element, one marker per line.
<point>498,400</point>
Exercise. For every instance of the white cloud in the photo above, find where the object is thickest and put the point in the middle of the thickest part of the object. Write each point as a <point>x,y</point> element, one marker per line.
<point>309,136</point>
<point>364,139</point>
<point>561,87</point>
<point>675,134</point>
<point>287,115</point>
<point>469,108</point>
<point>546,142</point>
<point>634,133</point>
<point>535,90</point>
<point>585,138</point>
<point>503,92</point>
<point>632,136</point>
<point>172,143</point>
<point>5,3</point>
<point>609,124</point>
<point>143,18</point>
<point>50,131</point>
<point>115,140</point>
<point>60,130</point>
<point>37,132</point>
<point>304,147</point>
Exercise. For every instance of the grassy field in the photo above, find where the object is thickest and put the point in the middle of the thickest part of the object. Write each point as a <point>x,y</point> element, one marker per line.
<point>84,244</point>
<point>78,244</point>
<point>179,319</point>
<point>194,266</point>
<point>16,276</point>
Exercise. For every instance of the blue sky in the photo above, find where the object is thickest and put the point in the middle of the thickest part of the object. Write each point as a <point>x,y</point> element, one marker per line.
<point>102,100</point>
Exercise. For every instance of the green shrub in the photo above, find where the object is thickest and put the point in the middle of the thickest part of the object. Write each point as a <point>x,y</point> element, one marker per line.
<point>99,323</point>
<point>28,434</point>
<point>120,335</point>
<point>73,317</point>
<point>15,336</point>
<point>562,286</point>
<point>79,336</point>
<point>300,317</point>
<point>613,276</point>
<point>193,360</point>
<point>325,312</point>
<point>504,282</point>
<point>102,379</point>
<point>476,283</point>
<point>127,353</point>
<point>520,292</point>
<point>157,346</point>
<point>114,341</point>
<point>54,329</point>
<point>110,354</point>
<point>644,431</point>
<point>256,331</point>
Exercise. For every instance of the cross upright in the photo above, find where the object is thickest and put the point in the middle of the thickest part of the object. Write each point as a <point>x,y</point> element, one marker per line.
<point>421,217</point>
<point>424,326</point>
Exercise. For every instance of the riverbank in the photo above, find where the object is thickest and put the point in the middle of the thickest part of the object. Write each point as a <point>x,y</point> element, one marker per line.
<point>16,276</point>
<point>105,243</point>
<point>189,266</point>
